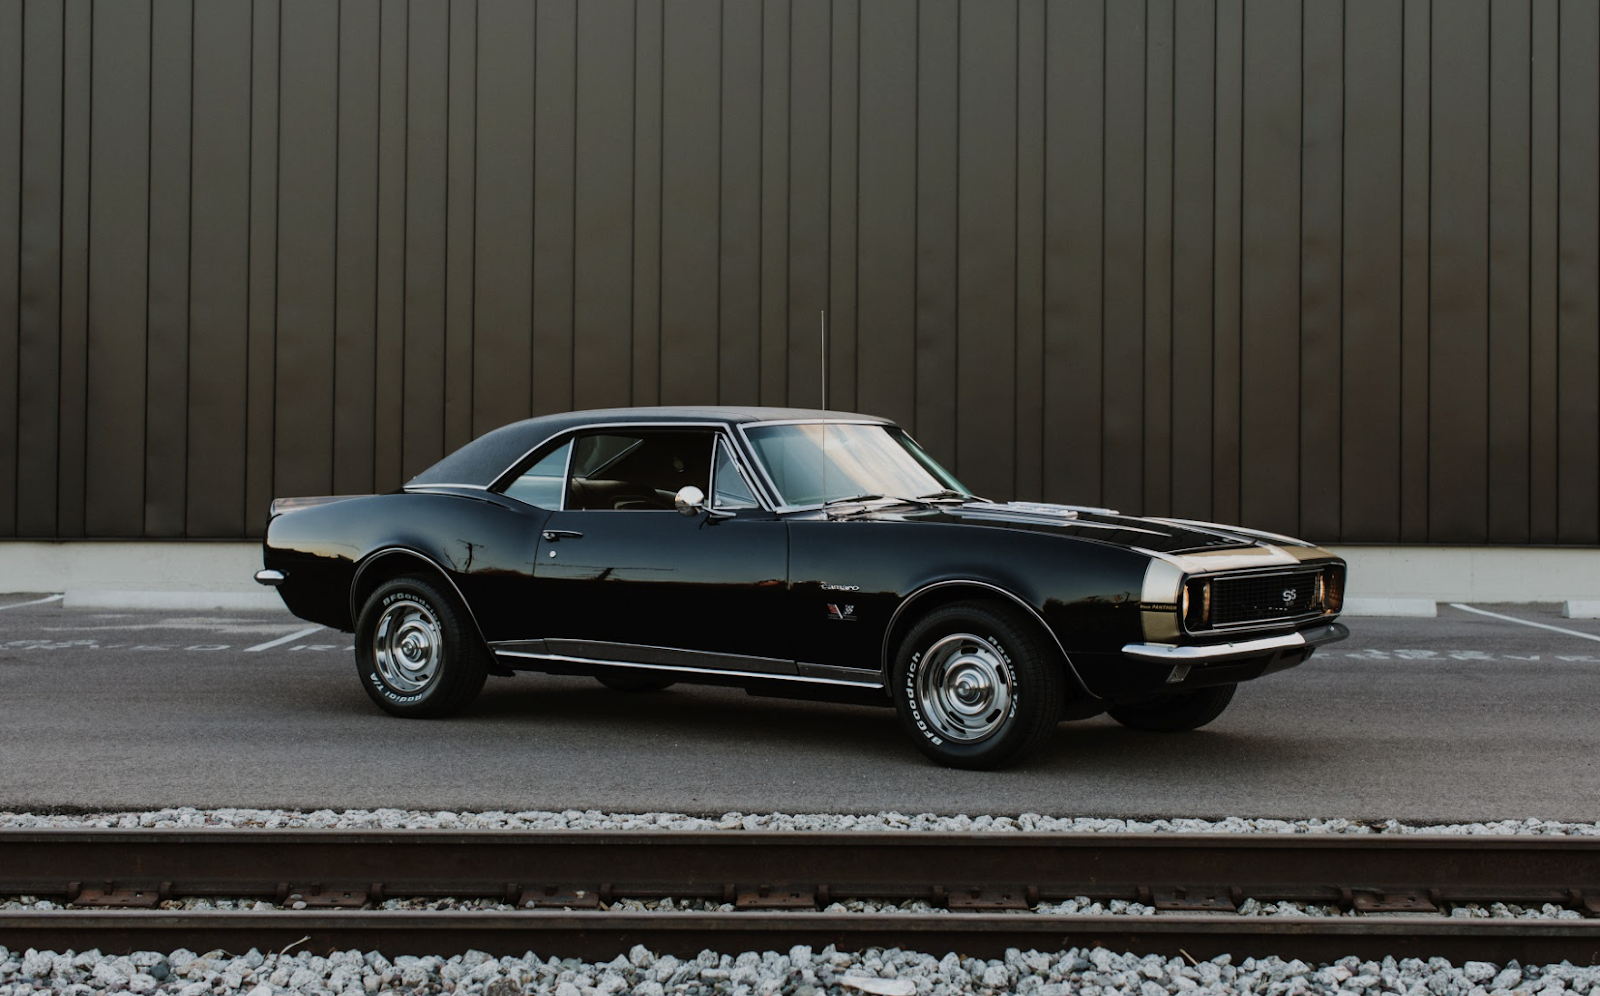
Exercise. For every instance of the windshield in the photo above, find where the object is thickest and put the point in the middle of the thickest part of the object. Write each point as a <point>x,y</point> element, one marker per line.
<point>818,462</point>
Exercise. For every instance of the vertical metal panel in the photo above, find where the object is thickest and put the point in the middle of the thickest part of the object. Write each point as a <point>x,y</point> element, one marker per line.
<point>775,202</point>
<point>460,197</point>
<point>1578,294</point>
<point>39,296</point>
<point>1028,370</point>
<point>308,154</point>
<point>1415,158</point>
<point>554,100</point>
<point>1544,224</point>
<point>887,220</point>
<point>259,487</point>
<point>602,310</point>
<point>691,166</point>
<point>810,93</point>
<point>167,375</point>
<point>1158,127</point>
<point>76,150</point>
<point>10,251</point>
<point>1371,398</point>
<point>843,143</point>
<point>1269,408</point>
<point>1321,298</point>
<point>647,42</point>
<point>739,243</point>
<point>1193,197</point>
<point>1074,234</point>
<point>356,248</point>
<point>219,272</point>
<point>1326,266</point>
<point>986,274</point>
<point>503,229</point>
<point>1228,265</point>
<point>1510,51</point>
<point>1122,404</point>
<point>427,131</point>
<point>390,333</point>
<point>938,54</point>
<point>1459,266</point>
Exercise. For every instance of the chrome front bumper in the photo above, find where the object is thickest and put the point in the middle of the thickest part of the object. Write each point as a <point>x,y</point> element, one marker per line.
<point>272,578</point>
<point>1207,652</point>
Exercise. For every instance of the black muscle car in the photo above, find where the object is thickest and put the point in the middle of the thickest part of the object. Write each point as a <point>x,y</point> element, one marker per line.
<point>798,553</point>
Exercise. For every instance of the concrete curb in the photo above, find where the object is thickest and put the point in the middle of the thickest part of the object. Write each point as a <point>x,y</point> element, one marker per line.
<point>1581,610</point>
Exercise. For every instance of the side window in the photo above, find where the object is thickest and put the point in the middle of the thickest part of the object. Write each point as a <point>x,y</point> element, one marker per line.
<point>638,471</point>
<point>729,488</point>
<point>541,484</point>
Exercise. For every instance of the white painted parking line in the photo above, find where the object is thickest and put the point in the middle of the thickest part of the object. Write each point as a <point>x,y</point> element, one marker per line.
<point>37,601</point>
<point>1525,622</point>
<point>280,641</point>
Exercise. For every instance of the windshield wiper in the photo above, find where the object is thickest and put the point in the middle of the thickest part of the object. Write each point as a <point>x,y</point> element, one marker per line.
<point>952,493</point>
<point>851,499</point>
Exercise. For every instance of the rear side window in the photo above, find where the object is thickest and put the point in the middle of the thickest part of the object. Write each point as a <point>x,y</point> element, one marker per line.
<point>542,483</point>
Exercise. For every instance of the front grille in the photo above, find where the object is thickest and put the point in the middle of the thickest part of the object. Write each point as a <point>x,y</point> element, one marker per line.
<point>1257,599</point>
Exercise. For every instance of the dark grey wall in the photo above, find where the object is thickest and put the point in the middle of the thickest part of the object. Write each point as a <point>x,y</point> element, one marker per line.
<point>1325,267</point>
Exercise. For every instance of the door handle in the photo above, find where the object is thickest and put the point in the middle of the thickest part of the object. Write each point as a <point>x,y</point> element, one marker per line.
<point>555,534</point>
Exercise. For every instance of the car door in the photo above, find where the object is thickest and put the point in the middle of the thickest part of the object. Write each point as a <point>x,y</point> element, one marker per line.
<point>620,574</point>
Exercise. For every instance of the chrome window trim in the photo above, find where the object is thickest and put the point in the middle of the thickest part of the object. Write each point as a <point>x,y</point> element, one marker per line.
<point>723,442</point>
<point>416,488</point>
<point>905,603</point>
<point>355,580</point>
<point>719,428</point>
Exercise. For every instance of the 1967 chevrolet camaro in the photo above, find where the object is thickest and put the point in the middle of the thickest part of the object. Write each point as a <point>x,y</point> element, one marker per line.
<point>797,553</point>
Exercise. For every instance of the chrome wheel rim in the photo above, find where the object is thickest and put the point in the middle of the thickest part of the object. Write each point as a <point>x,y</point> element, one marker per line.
<point>964,688</point>
<point>407,646</point>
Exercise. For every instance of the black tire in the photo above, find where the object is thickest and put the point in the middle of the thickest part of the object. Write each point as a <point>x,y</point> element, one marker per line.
<point>642,681</point>
<point>1176,712</point>
<point>417,653</point>
<point>977,685</point>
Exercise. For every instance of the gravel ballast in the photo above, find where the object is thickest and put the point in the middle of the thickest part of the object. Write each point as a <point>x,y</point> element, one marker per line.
<point>572,819</point>
<point>800,971</point>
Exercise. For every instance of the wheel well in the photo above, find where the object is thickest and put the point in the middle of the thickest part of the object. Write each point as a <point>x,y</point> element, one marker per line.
<point>940,594</point>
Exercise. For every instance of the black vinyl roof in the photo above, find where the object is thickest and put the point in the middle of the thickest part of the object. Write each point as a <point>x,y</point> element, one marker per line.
<point>483,460</point>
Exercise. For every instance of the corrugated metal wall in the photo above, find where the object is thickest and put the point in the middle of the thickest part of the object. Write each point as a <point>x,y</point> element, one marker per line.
<point>1324,267</point>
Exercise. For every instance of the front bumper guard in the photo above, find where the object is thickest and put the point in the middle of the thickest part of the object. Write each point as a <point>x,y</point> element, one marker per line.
<point>1212,652</point>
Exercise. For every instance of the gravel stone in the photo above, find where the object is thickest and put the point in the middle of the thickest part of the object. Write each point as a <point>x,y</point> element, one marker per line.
<point>186,818</point>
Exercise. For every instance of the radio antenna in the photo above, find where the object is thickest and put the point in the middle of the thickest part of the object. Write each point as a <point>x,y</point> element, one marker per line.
<point>824,360</point>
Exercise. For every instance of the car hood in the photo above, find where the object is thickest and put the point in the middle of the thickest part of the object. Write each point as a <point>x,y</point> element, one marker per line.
<point>1193,545</point>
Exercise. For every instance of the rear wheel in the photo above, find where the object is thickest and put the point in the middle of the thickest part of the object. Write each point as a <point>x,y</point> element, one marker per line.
<point>416,651</point>
<point>977,685</point>
<point>1176,712</point>
<point>642,681</point>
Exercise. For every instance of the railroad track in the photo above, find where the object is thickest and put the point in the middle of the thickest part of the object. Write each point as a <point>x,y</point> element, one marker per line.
<point>563,886</point>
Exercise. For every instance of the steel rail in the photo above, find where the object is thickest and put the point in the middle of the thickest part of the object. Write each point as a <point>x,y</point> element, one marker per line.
<point>1196,880</point>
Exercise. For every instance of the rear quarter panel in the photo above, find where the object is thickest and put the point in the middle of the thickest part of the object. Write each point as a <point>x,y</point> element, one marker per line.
<point>485,545</point>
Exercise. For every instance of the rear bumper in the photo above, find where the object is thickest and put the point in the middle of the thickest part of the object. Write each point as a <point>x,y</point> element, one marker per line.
<point>1216,652</point>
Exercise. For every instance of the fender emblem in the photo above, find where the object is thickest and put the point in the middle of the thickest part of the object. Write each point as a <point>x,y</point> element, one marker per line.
<point>842,613</point>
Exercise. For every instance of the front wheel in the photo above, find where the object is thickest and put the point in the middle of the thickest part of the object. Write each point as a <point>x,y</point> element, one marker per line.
<point>977,685</point>
<point>416,652</point>
<point>1176,712</point>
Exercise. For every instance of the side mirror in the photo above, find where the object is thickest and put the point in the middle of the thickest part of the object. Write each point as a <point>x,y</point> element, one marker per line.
<point>690,500</point>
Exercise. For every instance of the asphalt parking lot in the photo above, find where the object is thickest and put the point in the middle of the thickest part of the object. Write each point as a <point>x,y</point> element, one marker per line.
<point>1486,712</point>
